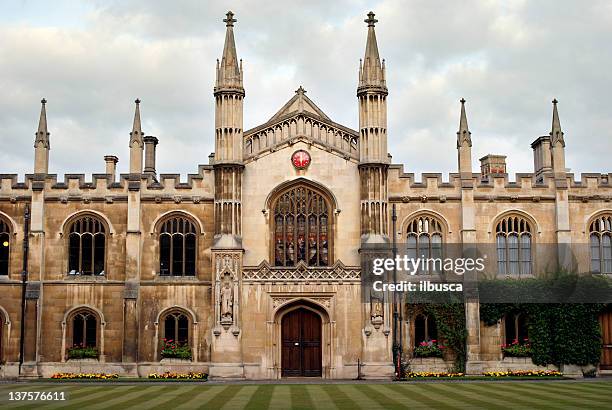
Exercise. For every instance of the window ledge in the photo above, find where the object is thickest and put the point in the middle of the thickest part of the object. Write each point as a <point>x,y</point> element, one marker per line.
<point>170,278</point>
<point>85,278</point>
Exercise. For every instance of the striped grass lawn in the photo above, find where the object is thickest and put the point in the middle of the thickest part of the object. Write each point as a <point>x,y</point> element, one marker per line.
<point>435,395</point>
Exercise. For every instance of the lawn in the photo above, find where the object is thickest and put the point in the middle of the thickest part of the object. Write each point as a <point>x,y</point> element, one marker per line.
<point>436,395</point>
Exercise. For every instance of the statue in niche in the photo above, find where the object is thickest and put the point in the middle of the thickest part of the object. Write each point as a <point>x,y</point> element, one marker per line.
<point>376,312</point>
<point>227,302</point>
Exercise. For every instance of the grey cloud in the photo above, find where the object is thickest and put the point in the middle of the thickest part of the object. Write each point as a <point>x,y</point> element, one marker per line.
<point>508,59</point>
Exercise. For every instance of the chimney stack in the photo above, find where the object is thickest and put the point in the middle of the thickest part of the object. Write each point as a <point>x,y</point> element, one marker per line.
<point>111,166</point>
<point>492,165</point>
<point>150,144</point>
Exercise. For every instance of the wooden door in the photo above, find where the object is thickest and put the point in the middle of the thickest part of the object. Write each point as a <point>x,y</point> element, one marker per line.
<point>301,344</point>
<point>606,334</point>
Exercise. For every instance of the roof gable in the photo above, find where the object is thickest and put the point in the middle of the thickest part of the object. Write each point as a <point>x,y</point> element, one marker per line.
<point>299,103</point>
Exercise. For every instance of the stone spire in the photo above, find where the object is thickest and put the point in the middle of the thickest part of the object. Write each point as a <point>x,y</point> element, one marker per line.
<point>229,69</point>
<point>464,136</point>
<point>136,142</point>
<point>557,145</point>
<point>41,143</point>
<point>556,135</point>
<point>371,69</point>
<point>42,135</point>
<point>464,145</point>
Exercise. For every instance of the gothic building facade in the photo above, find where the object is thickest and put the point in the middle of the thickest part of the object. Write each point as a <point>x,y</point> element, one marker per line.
<point>252,266</point>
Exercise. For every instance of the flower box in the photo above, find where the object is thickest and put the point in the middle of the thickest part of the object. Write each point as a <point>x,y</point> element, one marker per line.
<point>175,350</point>
<point>82,352</point>
<point>517,349</point>
<point>430,348</point>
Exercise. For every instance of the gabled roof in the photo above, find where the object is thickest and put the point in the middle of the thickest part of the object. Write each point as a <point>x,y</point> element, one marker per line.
<point>299,103</point>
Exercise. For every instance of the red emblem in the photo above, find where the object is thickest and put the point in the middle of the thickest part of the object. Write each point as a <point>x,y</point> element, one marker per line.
<point>300,159</point>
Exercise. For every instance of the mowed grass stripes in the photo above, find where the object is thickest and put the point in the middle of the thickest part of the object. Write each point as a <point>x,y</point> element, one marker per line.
<point>435,395</point>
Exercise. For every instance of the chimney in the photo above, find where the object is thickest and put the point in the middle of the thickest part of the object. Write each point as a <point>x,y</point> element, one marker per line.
<point>542,158</point>
<point>111,166</point>
<point>492,165</point>
<point>150,144</point>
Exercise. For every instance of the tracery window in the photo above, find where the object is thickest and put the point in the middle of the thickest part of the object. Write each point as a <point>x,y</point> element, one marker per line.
<point>514,240</point>
<point>600,234</point>
<point>177,247</point>
<point>176,328</point>
<point>424,329</point>
<point>5,244</point>
<point>516,328</point>
<point>87,246</point>
<point>424,240</point>
<point>301,228</point>
<point>84,329</point>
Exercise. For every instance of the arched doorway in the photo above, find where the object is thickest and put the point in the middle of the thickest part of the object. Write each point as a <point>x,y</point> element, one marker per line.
<point>301,333</point>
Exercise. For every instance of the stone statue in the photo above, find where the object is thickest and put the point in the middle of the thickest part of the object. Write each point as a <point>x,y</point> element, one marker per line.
<point>226,301</point>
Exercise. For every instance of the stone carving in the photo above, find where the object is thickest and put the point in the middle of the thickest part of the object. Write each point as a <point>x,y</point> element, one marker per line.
<point>281,300</point>
<point>227,303</point>
<point>301,273</point>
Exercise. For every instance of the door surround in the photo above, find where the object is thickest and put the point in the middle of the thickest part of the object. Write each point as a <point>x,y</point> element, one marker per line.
<point>283,305</point>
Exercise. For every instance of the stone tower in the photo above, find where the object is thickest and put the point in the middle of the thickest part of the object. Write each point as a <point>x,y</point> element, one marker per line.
<point>228,164</point>
<point>373,158</point>
<point>227,250</point>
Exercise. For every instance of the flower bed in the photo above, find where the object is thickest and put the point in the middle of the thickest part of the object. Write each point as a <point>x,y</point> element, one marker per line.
<point>81,376</point>
<point>179,376</point>
<point>421,375</point>
<point>517,349</point>
<point>82,352</point>
<point>524,373</point>
<point>174,350</point>
<point>429,348</point>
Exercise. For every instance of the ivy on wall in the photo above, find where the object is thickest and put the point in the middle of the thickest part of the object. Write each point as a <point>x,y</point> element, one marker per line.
<point>449,314</point>
<point>559,333</point>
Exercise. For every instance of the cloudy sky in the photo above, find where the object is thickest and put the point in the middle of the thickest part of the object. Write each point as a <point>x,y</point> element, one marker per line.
<point>508,59</point>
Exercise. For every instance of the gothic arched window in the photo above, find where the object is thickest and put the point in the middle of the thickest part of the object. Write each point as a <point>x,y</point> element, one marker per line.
<point>516,328</point>
<point>176,328</point>
<point>5,245</point>
<point>177,247</point>
<point>600,236</point>
<point>424,329</point>
<point>514,239</point>
<point>424,240</point>
<point>301,228</point>
<point>84,326</point>
<point>87,246</point>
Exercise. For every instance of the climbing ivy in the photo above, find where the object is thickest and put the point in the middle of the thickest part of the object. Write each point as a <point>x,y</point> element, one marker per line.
<point>559,333</point>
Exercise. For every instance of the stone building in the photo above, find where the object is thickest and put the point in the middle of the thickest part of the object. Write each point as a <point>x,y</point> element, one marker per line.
<point>253,263</point>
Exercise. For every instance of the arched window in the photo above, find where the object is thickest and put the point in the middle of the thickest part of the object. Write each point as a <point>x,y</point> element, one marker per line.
<point>177,247</point>
<point>516,328</point>
<point>84,329</point>
<point>176,328</point>
<point>301,227</point>
<point>600,234</point>
<point>514,239</point>
<point>87,246</point>
<point>424,329</point>
<point>424,240</point>
<point>5,245</point>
